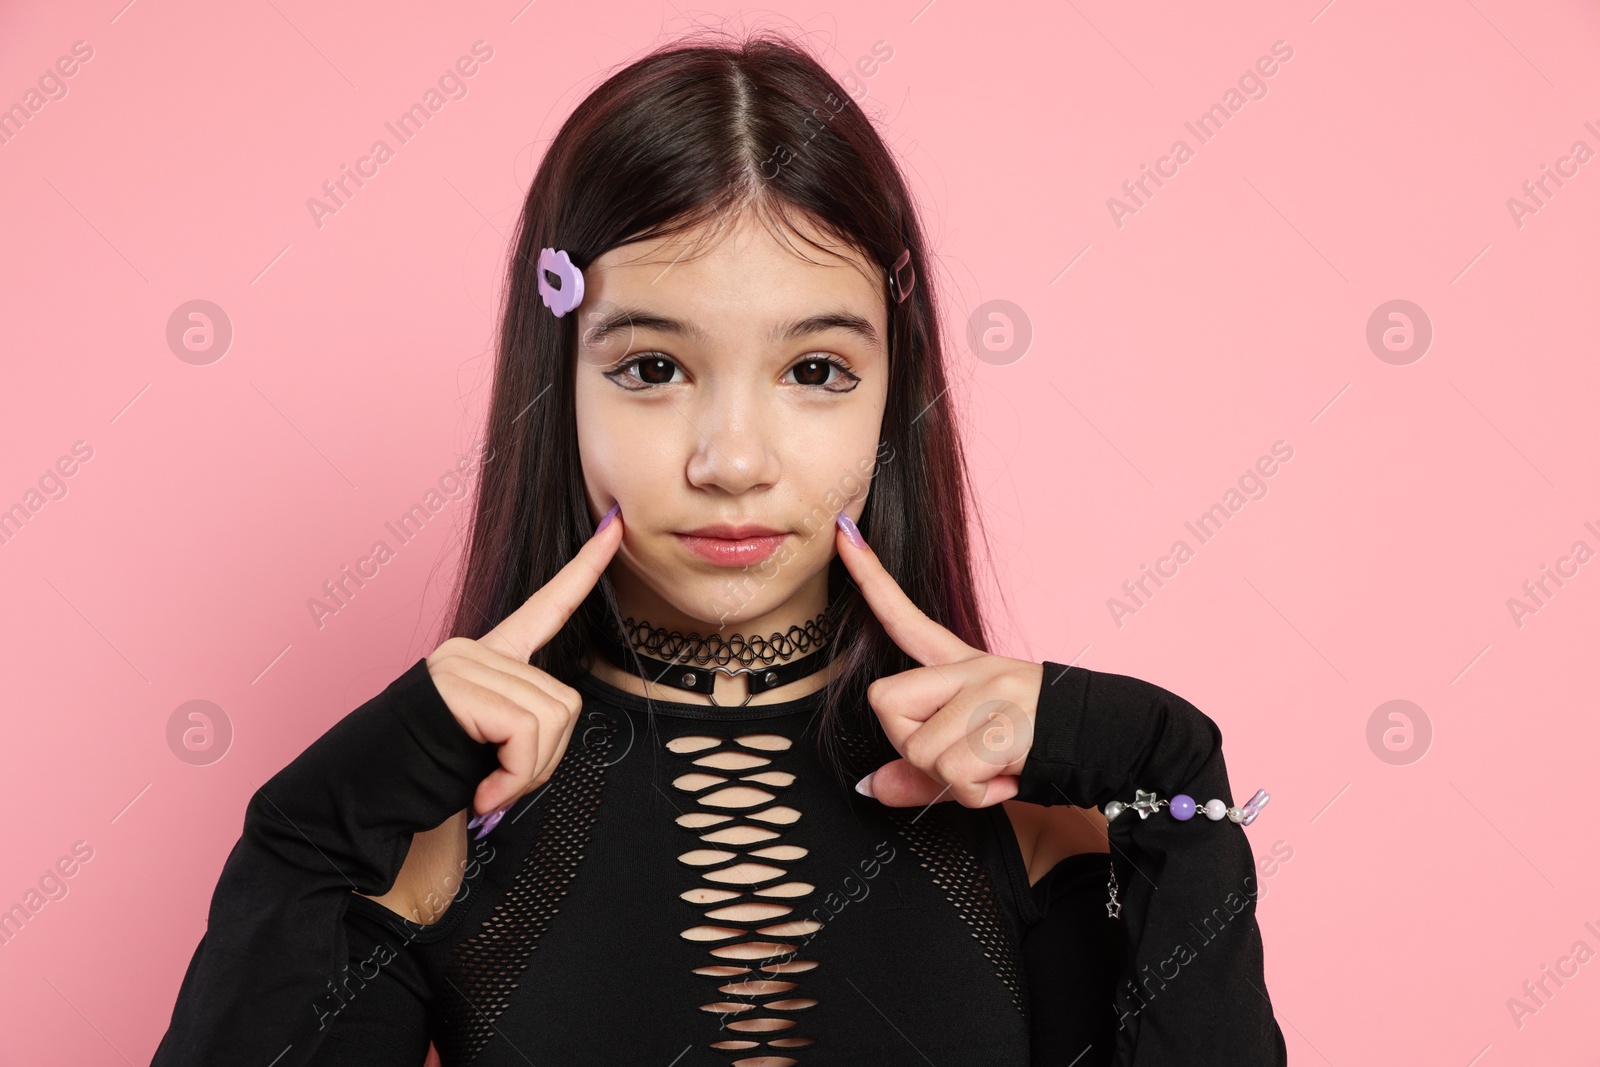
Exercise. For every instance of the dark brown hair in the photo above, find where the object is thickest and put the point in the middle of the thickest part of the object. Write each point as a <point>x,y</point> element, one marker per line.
<point>683,136</point>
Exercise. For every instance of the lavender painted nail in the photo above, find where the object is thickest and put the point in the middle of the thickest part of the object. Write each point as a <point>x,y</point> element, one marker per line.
<point>850,530</point>
<point>490,821</point>
<point>605,520</point>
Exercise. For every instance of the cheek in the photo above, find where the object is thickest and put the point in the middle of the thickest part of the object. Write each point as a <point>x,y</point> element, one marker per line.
<point>603,441</point>
<point>623,456</point>
<point>840,465</point>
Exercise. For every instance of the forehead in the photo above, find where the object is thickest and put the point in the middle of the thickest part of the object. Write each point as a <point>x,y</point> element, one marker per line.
<point>744,274</point>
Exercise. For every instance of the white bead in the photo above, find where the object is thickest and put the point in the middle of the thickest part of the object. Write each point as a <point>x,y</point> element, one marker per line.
<point>1113,809</point>
<point>1215,809</point>
<point>1236,814</point>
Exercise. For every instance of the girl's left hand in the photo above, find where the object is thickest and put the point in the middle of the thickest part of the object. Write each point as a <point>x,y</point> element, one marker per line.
<point>962,722</point>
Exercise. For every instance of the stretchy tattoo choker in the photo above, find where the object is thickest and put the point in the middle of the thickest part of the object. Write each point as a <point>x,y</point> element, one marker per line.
<point>692,662</point>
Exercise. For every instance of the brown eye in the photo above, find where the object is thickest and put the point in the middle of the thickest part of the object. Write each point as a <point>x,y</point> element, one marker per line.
<point>815,374</point>
<point>651,369</point>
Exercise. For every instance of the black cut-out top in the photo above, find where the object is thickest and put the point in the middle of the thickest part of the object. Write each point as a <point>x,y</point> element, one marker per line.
<point>702,886</point>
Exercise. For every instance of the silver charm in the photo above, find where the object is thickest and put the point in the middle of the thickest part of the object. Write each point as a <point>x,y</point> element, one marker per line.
<point>1113,906</point>
<point>1145,803</point>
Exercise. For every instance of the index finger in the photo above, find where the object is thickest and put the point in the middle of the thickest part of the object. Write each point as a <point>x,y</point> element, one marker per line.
<point>543,614</point>
<point>908,626</point>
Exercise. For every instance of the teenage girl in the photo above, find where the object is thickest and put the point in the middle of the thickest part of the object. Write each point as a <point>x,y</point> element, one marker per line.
<point>713,764</point>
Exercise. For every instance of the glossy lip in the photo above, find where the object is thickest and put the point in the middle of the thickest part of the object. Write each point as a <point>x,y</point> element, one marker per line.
<point>726,545</point>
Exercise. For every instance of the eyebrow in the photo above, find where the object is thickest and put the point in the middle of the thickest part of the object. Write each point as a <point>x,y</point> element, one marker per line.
<point>624,318</point>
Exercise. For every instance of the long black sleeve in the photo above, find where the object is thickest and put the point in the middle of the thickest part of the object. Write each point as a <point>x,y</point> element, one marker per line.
<point>339,818</point>
<point>1074,955</point>
<point>1191,990</point>
<point>379,1018</point>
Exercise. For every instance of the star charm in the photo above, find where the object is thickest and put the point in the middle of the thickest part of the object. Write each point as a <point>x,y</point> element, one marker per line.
<point>1144,803</point>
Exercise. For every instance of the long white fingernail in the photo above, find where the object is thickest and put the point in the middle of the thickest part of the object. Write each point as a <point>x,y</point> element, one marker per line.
<point>864,787</point>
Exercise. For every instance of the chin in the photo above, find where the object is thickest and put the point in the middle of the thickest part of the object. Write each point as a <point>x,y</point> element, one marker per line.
<point>720,605</point>
<point>728,599</point>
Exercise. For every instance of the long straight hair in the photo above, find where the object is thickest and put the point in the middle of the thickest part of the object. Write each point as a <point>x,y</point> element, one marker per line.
<point>693,133</point>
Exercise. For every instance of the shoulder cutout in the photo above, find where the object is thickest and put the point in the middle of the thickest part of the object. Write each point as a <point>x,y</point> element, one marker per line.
<point>431,873</point>
<point>1048,835</point>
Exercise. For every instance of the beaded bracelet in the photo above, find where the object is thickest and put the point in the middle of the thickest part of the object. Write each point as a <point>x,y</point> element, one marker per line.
<point>1183,808</point>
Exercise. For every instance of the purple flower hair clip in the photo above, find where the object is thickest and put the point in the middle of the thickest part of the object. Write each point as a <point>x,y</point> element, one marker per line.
<point>568,293</point>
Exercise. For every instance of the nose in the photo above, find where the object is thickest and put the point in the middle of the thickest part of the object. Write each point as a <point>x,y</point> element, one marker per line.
<point>734,451</point>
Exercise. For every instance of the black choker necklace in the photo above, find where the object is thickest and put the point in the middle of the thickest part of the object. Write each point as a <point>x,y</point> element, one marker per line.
<point>689,664</point>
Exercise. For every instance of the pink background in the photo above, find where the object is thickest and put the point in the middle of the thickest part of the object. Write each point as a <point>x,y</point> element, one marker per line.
<point>1228,313</point>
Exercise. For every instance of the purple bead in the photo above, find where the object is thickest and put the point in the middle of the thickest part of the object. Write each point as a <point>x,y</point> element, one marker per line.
<point>1181,806</point>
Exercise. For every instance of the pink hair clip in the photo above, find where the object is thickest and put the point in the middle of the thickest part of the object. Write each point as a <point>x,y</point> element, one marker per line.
<point>569,294</point>
<point>901,289</point>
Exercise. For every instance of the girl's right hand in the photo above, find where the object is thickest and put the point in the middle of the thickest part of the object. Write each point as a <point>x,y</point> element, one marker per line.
<point>498,697</point>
